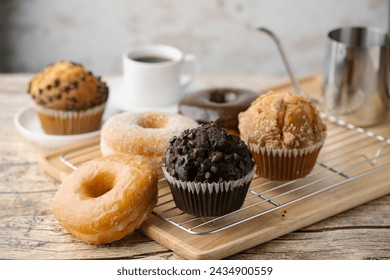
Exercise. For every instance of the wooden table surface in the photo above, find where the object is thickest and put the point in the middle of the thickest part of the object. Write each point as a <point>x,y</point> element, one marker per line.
<point>29,231</point>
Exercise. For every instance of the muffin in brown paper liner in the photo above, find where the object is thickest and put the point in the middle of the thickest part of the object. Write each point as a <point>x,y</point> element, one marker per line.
<point>282,164</point>
<point>284,133</point>
<point>65,123</point>
<point>209,199</point>
<point>68,98</point>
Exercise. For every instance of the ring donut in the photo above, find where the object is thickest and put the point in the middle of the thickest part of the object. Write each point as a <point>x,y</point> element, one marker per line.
<point>219,105</point>
<point>146,133</point>
<point>107,198</point>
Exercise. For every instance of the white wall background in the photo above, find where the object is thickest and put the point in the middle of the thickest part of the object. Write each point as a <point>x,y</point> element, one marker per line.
<point>220,32</point>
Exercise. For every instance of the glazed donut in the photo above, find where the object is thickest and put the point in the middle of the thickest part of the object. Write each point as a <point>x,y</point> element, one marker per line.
<point>219,105</point>
<point>146,134</point>
<point>107,198</point>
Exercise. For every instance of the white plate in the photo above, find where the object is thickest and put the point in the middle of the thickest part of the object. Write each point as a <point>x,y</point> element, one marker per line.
<point>28,124</point>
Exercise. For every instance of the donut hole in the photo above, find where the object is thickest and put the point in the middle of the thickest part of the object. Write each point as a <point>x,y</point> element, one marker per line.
<point>153,121</point>
<point>97,186</point>
<point>222,96</point>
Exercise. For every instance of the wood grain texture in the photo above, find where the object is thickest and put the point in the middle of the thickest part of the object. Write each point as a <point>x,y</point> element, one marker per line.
<point>29,231</point>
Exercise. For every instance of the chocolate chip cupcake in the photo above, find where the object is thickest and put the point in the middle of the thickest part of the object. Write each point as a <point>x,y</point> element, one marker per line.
<point>208,170</point>
<point>68,99</point>
<point>284,133</point>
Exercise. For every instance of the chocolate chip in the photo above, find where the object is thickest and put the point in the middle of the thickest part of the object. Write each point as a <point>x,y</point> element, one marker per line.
<point>58,96</point>
<point>48,87</point>
<point>66,89</point>
<point>215,159</point>
<point>74,84</point>
<point>90,73</point>
<point>82,77</point>
<point>191,144</point>
<point>49,99</point>
<point>40,91</point>
<point>181,161</point>
<point>173,139</point>
<point>69,108</point>
<point>88,104</point>
<point>72,98</point>
<point>56,82</point>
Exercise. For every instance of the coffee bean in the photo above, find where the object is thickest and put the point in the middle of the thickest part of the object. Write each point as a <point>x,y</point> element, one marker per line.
<point>191,136</point>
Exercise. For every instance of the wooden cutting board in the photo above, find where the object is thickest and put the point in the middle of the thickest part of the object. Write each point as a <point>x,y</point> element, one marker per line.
<point>352,169</point>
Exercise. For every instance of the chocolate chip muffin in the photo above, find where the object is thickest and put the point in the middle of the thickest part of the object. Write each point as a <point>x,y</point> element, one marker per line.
<point>69,99</point>
<point>208,170</point>
<point>284,133</point>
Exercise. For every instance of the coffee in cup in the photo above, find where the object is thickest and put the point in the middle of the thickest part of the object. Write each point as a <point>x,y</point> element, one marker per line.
<point>155,76</point>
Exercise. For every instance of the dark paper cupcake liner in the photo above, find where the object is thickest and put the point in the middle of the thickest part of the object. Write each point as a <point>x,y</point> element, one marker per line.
<point>209,199</point>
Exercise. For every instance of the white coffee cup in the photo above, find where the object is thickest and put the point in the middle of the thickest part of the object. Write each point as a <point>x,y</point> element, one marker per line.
<point>155,76</point>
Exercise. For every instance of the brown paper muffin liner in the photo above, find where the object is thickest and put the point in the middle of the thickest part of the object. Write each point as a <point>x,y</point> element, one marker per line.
<point>60,122</point>
<point>209,199</point>
<point>284,164</point>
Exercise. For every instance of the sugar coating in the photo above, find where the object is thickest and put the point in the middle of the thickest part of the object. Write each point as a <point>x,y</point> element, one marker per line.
<point>145,133</point>
<point>281,120</point>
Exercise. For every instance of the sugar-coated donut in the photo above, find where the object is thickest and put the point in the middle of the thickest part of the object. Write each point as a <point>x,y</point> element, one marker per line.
<point>107,198</point>
<point>219,105</point>
<point>146,134</point>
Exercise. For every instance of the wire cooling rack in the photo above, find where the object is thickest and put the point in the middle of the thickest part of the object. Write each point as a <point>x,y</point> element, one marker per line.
<point>350,153</point>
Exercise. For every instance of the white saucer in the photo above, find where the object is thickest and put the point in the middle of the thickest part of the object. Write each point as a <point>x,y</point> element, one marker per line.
<point>28,124</point>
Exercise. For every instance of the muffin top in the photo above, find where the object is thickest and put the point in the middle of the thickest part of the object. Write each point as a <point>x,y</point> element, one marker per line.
<point>207,154</point>
<point>67,86</point>
<point>282,120</point>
